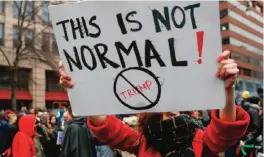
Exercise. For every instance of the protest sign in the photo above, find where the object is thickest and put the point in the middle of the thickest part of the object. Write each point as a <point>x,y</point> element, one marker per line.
<point>129,57</point>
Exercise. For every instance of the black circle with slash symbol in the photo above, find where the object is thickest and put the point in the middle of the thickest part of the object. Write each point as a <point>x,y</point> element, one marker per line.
<point>150,74</point>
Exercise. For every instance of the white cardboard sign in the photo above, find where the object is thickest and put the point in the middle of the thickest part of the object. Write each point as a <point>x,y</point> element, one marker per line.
<point>130,57</point>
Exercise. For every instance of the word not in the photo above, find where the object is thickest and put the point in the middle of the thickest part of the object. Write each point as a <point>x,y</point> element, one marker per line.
<point>134,92</point>
<point>165,20</point>
<point>79,56</point>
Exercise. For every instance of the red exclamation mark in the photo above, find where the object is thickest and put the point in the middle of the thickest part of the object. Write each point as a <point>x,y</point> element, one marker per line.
<point>200,37</point>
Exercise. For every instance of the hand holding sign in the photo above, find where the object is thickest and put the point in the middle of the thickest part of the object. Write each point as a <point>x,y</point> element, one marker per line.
<point>227,69</point>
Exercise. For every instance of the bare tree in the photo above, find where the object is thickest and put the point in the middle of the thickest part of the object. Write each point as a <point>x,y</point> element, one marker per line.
<point>25,41</point>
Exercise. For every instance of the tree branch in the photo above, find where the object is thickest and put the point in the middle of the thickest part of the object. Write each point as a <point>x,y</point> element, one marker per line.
<point>34,38</point>
<point>7,60</point>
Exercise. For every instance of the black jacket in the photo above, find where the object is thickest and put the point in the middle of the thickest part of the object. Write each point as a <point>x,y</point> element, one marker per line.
<point>78,140</point>
<point>253,111</point>
<point>7,134</point>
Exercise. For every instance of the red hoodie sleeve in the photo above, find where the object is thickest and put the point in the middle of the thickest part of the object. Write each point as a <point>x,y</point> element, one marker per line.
<point>220,135</point>
<point>20,148</point>
<point>116,134</point>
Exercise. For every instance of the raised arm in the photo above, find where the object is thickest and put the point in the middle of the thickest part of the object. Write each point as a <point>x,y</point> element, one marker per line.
<point>230,123</point>
<point>113,132</point>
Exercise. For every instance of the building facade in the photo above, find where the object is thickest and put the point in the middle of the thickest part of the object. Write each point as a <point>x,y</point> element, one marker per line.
<point>37,81</point>
<point>242,34</point>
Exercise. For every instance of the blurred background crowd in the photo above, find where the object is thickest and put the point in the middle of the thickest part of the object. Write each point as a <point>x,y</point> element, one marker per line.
<point>54,132</point>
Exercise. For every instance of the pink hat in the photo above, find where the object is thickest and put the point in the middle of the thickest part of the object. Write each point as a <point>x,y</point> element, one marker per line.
<point>7,112</point>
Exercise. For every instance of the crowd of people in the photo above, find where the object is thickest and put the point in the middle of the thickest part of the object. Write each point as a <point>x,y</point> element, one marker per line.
<point>49,131</point>
<point>39,133</point>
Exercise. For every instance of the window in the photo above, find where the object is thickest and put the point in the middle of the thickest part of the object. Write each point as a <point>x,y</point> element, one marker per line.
<point>224,27</point>
<point>54,45</point>
<point>29,13</point>
<point>239,86</point>
<point>6,78</point>
<point>2,34</point>
<point>239,57</point>
<point>240,70</point>
<point>245,20</point>
<point>225,41</point>
<point>259,8</point>
<point>23,77</point>
<point>52,82</point>
<point>246,46</point>
<point>16,8</point>
<point>2,6</point>
<point>245,59</point>
<point>235,56</point>
<point>29,42</point>
<point>255,62</point>
<point>249,87</point>
<point>247,72</point>
<point>45,11</point>
<point>15,37</point>
<point>223,13</point>
<point>258,74</point>
<point>245,33</point>
<point>45,42</point>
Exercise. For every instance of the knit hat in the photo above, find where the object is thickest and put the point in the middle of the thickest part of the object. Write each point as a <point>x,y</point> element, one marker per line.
<point>7,112</point>
<point>245,94</point>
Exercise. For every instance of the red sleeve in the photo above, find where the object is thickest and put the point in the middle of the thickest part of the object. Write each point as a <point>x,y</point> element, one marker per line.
<point>20,148</point>
<point>220,135</point>
<point>116,134</point>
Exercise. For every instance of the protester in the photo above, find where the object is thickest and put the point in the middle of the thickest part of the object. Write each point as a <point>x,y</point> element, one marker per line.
<point>172,134</point>
<point>2,115</point>
<point>78,140</point>
<point>245,94</point>
<point>8,129</point>
<point>23,144</point>
<point>52,149</point>
<point>43,131</point>
<point>239,99</point>
<point>24,110</point>
<point>196,115</point>
<point>254,107</point>
<point>256,99</point>
<point>60,115</point>
<point>32,111</point>
<point>53,122</point>
<point>42,137</point>
<point>64,121</point>
<point>39,147</point>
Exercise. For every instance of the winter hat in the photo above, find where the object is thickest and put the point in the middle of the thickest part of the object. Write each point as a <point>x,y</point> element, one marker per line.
<point>7,112</point>
<point>245,94</point>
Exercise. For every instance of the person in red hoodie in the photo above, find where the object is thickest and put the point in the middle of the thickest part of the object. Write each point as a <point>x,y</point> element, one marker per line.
<point>23,143</point>
<point>173,134</point>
